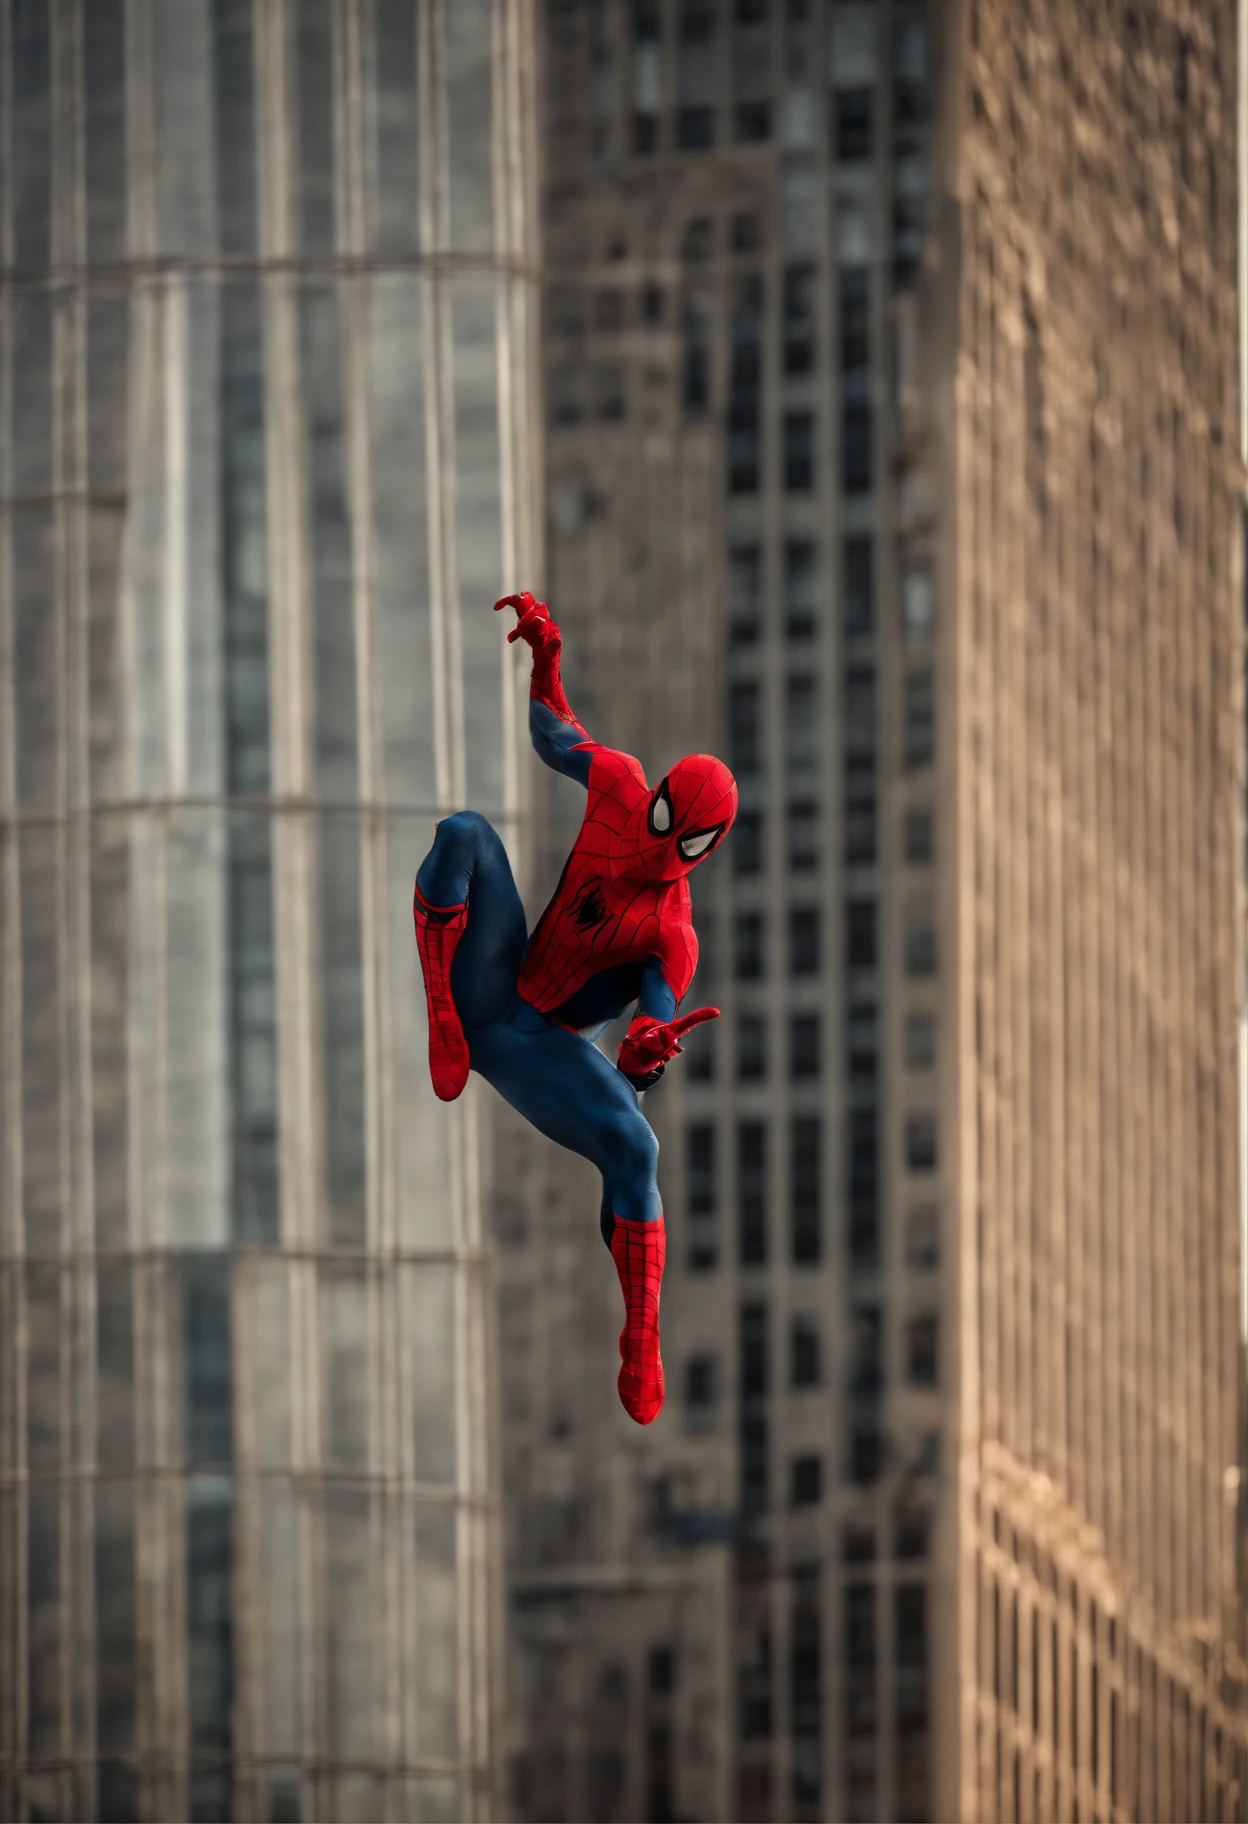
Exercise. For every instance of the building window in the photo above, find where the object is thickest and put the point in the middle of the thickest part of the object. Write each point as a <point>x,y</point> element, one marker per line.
<point>856,446</point>
<point>860,710</point>
<point>700,1178</point>
<point>804,940</point>
<point>911,1531</point>
<point>852,124</point>
<point>747,843</point>
<point>864,1240</point>
<point>752,1192</point>
<point>860,934</point>
<point>745,729</point>
<point>609,392</point>
<point>743,446</point>
<point>800,601</point>
<point>921,1143</point>
<point>695,118</point>
<point>748,946</point>
<point>858,1544</point>
<point>923,1238</point>
<point>803,838</point>
<point>701,1391</point>
<point>699,240</point>
<point>920,947</point>
<point>799,320</point>
<point>566,387</point>
<point>799,452</point>
<point>700,1054</point>
<point>806,1688</point>
<point>860,1659</point>
<point>652,305</point>
<point>804,1046</point>
<point>920,1041</point>
<point>855,296</point>
<point>754,1377</point>
<point>912,1649</point>
<point>805,1187</point>
<point>918,605</point>
<point>609,311</point>
<point>859,587</point>
<point>804,1352</point>
<point>866,1448</point>
<point>744,435</point>
<point>745,593</point>
<point>747,232</point>
<point>803,724</point>
<point>920,835</point>
<point>866,1365</point>
<point>921,1335</point>
<point>697,362</point>
<point>860,808</point>
<point>647,74</point>
<point>920,730</point>
<point>751,1048</point>
<point>862,1042</point>
<point>805,1482</point>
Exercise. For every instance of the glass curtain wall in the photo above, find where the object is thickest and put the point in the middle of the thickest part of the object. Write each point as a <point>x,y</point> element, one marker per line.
<point>266,459</point>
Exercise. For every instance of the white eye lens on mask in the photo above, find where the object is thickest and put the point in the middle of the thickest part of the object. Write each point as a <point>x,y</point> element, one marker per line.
<point>661,813</point>
<point>693,846</point>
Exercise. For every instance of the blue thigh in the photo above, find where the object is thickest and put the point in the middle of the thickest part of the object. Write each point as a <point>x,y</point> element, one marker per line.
<point>575,1096</point>
<point>468,862</point>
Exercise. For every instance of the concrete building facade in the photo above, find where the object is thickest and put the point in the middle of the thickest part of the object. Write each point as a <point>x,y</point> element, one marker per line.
<point>267,340</point>
<point>933,310</point>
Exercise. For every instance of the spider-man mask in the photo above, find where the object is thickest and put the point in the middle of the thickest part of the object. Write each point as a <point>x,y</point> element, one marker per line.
<point>688,816</point>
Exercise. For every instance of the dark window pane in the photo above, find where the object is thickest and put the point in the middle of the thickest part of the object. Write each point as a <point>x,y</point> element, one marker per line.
<point>803,837</point>
<point>920,835</point>
<point>695,128</point>
<point>860,812</point>
<point>652,304</point>
<point>802,732</point>
<point>920,949</point>
<point>855,296</point>
<point>866,1365</point>
<point>701,1188</point>
<point>804,940</point>
<point>866,1448</point>
<point>799,320</point>
<point>805,1482</point>
<point>923,1238</point>
<point>751,121</point>
<point>921,1143</point>
<point>701,1381</point>
<point>800,592</point>
<point>860,711</point>
<point>862,1042</point>
<point>912,1528</point>
<point>645,133</point>
<point>745,593</point>
<point>697,361</point>
<point>752,1191</point>
<point>921,1364</point>
<point>804,1045</point>
<point>857,1544</point>
<point>805,1172</point>
<point>852,124</point>
<point>751,1048</point>
<point>859,586</point>
<point>208,1366</point>
<point>920,732</point>
<point>860,1656</point>
<point>747,232</point>
<point>609,401</point>
<point>609,310</point>
<point>744,729</point>
<point>799,452</point>
<point>860,934</point>
<point>748,946</point>
<point>804,1361</point>
<point>747,843</point>
<point>856,447</point>
<point>864,1239</point>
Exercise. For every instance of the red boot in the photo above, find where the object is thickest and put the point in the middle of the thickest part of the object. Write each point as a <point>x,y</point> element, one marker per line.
<point>639,1250</point>
<point>438,931</point>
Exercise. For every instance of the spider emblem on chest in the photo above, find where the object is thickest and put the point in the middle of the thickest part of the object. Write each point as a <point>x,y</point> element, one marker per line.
<point>589,908</point>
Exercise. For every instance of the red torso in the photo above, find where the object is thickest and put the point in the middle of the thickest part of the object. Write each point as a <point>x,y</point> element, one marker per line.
<point>603,914</point>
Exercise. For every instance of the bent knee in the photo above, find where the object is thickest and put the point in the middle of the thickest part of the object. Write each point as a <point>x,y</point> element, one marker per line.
<point>466,826</point>
<point>633,1146</point>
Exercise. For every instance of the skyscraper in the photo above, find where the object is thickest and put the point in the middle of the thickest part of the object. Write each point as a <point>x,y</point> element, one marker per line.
<point>266,383</point>
<point>935,306</point>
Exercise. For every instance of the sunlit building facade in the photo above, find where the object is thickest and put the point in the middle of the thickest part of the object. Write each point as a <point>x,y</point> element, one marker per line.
<point>935,304</point>
<point>267,444</point>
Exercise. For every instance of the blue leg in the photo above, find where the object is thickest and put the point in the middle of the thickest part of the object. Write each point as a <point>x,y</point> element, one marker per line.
<point>575,1096</point>
<point>469,863</point>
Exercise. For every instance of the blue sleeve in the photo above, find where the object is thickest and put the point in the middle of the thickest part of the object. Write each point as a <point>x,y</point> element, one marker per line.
<point>656,998</point>
<point>562,745</point>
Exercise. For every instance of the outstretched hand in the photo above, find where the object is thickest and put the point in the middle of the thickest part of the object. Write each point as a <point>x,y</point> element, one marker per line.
<point>535,627</point>
<point>649,1045</point>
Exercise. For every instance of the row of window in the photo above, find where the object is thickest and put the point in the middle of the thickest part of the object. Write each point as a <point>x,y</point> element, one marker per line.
<point>800,589</point>
<point>801,748</point>
<point>805,1190</point>
<point>804,923</point>
<point>745,448</point>
<point>866,1372</point>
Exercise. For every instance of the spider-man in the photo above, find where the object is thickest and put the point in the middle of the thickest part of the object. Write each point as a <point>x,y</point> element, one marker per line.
<point>619,929</point>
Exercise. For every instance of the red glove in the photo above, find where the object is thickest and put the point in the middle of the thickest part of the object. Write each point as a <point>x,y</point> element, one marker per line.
<point>650,1044</point>
<point>542,637</point>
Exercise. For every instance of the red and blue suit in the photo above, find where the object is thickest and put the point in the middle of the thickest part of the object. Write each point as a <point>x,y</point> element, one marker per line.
<point>516,1007</point>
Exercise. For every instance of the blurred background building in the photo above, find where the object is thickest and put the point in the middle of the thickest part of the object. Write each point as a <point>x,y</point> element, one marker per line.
<point>267,320</point>
<point>891,365</point>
